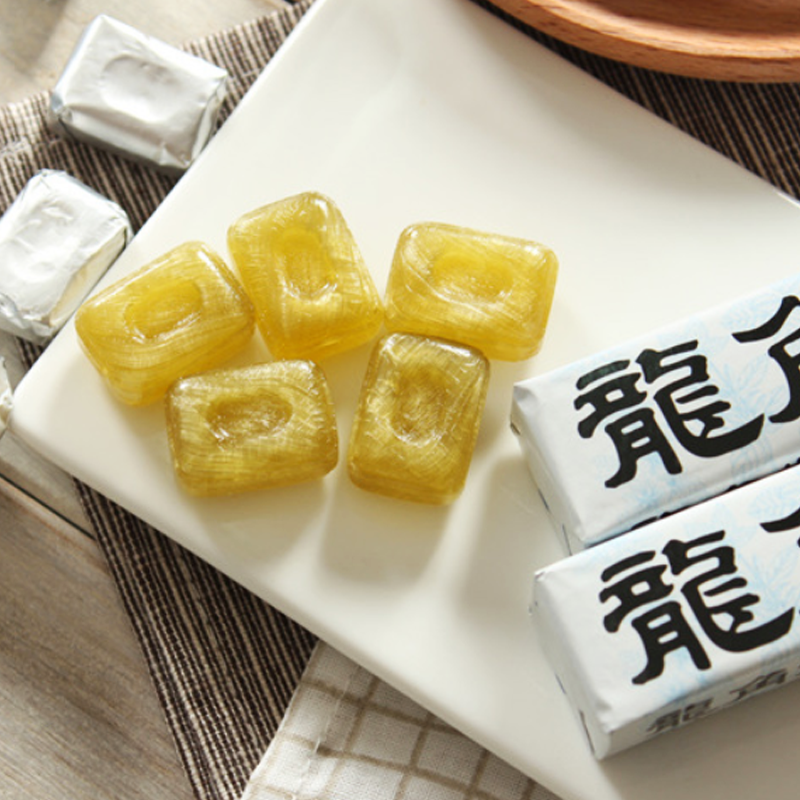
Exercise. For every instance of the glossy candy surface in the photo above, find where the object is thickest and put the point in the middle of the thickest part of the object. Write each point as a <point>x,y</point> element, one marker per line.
<point>489,291</point>
<point>301,266</point>
<point>255,427</point>
<point>181,314</point>
<point>418,418</point>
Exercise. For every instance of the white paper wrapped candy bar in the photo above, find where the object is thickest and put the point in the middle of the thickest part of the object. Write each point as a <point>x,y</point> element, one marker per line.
<point>668,420</point>
<point>683,618</point>
<point>56,240</point>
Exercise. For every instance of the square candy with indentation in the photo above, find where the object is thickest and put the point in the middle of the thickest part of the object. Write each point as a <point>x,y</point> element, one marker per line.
<point>249,428</point>
<point>183,313</point>
<point>418,418</point>
<point>301,266</point>
<point>489,291</point>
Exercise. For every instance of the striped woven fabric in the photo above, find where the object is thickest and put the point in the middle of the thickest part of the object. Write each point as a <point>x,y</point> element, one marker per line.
<point>224,664</point>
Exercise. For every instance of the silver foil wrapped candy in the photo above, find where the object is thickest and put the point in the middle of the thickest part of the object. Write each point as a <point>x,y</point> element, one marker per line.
<point>56,240</point>
<point>137,96</point>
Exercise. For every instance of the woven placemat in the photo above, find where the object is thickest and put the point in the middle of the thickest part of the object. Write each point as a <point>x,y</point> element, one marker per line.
<point>224,663</point>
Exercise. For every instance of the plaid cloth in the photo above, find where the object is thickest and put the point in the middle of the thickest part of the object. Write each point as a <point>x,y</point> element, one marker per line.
<point>347,734</point>
<point>225,665</point>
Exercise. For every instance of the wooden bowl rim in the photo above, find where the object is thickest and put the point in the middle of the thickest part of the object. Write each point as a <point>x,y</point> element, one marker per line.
<point>671,44</point>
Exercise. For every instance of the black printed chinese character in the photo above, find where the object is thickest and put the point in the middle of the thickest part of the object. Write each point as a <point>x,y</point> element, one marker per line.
<point>682,402</point>
<point>789,364</point>
<point>634,590</point>
<point>760,684</point>
<point>663,628</point>
<point>618,393</point>
<point>666,722</point>
<point>675,719</point>
<point>635,433</point>
<point>634,436</point>
<point>788,523</point>
<point>709,587</point>
<point>703,601</point>
<point>683,395</point>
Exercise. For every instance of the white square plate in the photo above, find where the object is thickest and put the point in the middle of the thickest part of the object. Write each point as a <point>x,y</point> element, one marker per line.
<point>410,110</point>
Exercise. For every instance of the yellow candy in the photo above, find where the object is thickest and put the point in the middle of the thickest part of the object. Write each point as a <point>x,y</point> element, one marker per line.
<point>489,291</point>
<point>313,294</point>
<point>418,418</point>
<point>256,427</point>
<point>181,314</point>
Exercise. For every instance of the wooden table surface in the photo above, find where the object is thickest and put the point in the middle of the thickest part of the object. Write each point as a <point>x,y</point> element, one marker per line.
<point>79,717</point>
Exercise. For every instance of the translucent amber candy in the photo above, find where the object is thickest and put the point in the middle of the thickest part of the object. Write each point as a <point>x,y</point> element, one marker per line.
<point>301,266</point>
<point>489,291</point>
<point>418,418</point>
<point>183,313</point>
<point>237,430</point>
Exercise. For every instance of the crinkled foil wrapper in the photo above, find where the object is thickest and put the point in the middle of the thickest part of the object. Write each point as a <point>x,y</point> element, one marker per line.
<point>56,241</point>
<point>137,96</point>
